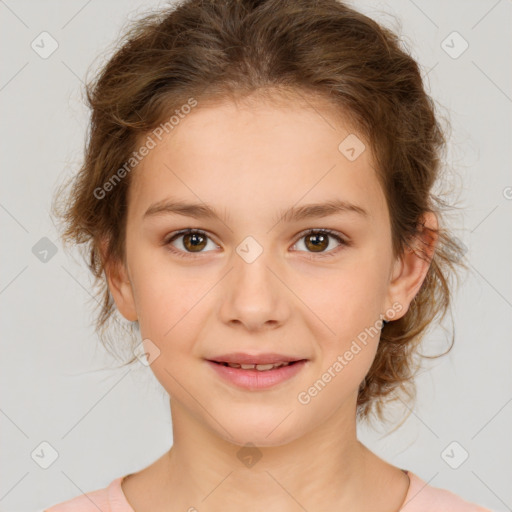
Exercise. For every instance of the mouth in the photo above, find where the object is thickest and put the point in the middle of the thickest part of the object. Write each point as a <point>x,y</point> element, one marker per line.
<point>258,367</point>
<point>254,376</point>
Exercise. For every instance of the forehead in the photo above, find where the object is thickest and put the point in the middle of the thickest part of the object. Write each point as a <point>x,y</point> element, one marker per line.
<point>254,156</point>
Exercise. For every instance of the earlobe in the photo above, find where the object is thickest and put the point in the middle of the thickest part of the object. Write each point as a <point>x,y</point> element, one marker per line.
<point>410,270</point>
<point>120,287</point>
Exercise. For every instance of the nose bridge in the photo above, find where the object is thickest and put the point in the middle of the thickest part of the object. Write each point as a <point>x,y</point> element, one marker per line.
<point>254,295</point>
<point>251,267</point>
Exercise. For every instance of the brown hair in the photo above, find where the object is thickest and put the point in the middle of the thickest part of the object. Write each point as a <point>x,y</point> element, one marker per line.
<point>206,49</point>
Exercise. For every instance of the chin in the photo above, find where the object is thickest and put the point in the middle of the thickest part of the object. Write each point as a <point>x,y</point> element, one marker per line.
<point>260,429</point>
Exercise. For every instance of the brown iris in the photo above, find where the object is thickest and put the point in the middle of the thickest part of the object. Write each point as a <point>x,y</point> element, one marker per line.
<point>319,242</point>
<point>194,241</point>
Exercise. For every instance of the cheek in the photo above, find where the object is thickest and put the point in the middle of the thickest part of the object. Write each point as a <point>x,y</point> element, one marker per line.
<point>169,309</point>
<point>348,300</point>
<point>165,298</point>
<point>349,304</point>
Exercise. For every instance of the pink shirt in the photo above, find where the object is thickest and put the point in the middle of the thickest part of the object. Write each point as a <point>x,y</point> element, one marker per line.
<point>420,498</point>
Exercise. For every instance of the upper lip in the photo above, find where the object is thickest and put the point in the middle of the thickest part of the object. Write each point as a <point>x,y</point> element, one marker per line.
<point>244,358</point>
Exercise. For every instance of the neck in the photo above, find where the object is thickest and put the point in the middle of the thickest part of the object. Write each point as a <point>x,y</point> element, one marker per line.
<point>327,465</point>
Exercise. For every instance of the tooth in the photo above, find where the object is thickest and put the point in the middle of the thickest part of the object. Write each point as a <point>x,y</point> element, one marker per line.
<point>262,367</point>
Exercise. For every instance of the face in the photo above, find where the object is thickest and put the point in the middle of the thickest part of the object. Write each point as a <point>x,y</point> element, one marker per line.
<point>306,285</point>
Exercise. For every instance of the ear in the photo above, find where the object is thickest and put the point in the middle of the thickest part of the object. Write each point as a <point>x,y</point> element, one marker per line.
<point>410,270</point>
<point>119,285</point>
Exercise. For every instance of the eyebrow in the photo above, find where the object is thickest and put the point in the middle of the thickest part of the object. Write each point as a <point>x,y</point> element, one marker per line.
<point>293,214</point>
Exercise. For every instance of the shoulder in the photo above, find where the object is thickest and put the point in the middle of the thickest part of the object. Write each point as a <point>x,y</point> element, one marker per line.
<point>109,499</point>
<point>422,497</point>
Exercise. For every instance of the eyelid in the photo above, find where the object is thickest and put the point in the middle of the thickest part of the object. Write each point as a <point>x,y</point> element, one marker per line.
<point>187,231</point>
<point>342,240</point>
<point>331,232</point>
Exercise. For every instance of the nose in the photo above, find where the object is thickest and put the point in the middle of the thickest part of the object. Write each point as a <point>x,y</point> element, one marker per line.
<point>254,296</point>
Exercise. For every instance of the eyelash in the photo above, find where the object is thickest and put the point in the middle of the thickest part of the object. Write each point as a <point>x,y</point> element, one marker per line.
<point>312,256</point>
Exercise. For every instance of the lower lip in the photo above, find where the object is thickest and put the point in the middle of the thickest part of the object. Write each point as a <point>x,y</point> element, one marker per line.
<point>255,379</point>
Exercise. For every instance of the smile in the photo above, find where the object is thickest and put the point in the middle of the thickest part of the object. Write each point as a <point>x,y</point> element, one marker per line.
<point>256,376</point>
<point>259,367</point>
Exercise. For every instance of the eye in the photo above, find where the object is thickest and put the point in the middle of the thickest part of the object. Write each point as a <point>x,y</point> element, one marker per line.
<point>193,241</point>
<point>190,242</point>
<point>317,241</point>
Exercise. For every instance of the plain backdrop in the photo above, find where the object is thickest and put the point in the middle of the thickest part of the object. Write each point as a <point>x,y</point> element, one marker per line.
<point>98,423</point>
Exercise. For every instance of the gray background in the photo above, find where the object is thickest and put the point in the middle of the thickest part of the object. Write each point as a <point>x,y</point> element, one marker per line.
<point>55,378</point>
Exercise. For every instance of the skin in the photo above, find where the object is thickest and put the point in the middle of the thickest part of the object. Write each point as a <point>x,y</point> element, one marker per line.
<point>249,162</point>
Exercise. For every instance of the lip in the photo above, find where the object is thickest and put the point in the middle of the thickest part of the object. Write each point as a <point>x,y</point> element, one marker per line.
<point>256,379</point>
<point>265,358</point>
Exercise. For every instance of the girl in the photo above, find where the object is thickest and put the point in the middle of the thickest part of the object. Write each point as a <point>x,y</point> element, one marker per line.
<point>256,198</point>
